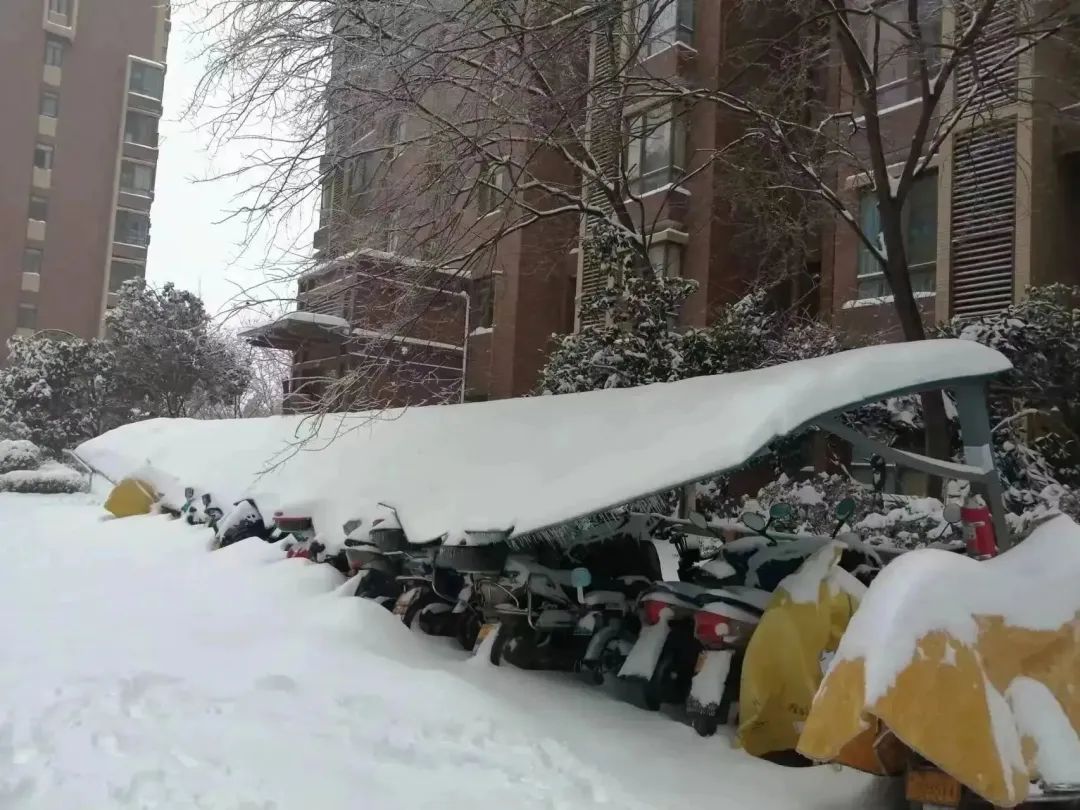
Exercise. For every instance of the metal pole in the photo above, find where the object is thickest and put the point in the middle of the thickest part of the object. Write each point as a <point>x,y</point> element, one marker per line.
<point>465,344</point>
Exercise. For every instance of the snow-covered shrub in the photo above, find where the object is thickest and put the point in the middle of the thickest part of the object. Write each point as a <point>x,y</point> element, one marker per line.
<point>18,454</point>
<point>50,478</point>
<point>59,391</point>
<point>632,336</point>
<point>899,521</point>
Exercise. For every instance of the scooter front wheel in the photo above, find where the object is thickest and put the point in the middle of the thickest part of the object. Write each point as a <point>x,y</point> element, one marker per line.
<point>468,629</point>
<point>706,724</point>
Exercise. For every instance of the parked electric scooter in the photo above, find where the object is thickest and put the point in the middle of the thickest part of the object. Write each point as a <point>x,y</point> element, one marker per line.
<point>723,626</point>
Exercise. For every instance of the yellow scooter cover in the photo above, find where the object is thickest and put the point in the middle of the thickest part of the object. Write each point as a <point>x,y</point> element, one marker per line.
<point>783,664</point>
<point>973,665</point>
<point>131,497</point>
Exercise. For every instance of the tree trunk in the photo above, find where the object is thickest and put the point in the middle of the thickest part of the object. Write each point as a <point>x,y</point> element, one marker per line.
<point>938,443</point>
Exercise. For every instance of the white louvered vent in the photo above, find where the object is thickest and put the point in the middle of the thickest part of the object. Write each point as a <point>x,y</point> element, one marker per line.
<point>983,220</point>
<point>605,144</point>
<point>985,68</point>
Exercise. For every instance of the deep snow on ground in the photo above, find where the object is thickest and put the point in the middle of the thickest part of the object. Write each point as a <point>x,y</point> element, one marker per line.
<point>139,670</point>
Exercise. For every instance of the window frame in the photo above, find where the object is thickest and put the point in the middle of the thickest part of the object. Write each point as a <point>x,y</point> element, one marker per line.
<point>127,212</point>
<point>899,89</point>
<point>146,116</point>
<point>115,288</point>
<point>870,278</point>
<point>54,97</point>
<point>37,263</point>
<point>44,149</point>
<point>64,11</point>
<point>678,30</point>
<point>20,322</point>
<point>54,45</point>
<point>640,127</point>
<point>667,249</point>
<point>493,185</point>
<point>133,189</point>
<point>37,199</point>
<point>158,91</point>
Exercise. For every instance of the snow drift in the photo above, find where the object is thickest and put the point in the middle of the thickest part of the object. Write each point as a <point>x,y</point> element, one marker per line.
<point>520,465</point>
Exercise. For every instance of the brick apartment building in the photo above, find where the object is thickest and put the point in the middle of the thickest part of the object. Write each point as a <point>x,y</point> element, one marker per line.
<point>998,215</point>
<point>1001,209</point>
<point>80,94</point>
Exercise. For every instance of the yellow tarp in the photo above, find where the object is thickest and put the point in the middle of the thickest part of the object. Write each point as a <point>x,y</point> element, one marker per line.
<point>975,666</point>
<point>782,669</point>
<point>131,497</point>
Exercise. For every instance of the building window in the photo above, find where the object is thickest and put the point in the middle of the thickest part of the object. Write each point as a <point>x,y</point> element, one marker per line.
<point>27,318</point>
<point>360,173</point>
<point>132,228</point>
<point>482,302</point>
<point>897,59</point>
<point>147,80</point>
<point>43,156</point>
<point>492,188</point>
<point>136,178</point>
<point>141,129</point>
<point>50,105</point>
<point>920,240</point>
<point>121,272</point>
<point>54,51</point>
<point>666,258</point>
<point>31,262</point>
<point>662,23</point>
<point>655,149</point>
<point>39,208</point>
<point>61,7</point>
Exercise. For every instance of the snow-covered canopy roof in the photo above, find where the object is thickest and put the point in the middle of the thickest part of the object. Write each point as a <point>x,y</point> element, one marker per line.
<point>527,464</point>
<point>297,326</point>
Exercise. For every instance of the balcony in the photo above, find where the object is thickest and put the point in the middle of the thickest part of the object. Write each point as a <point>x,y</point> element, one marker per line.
<point>35,230</point>
<point>42,179</point>
<point>51,75</point>
<point>31,282</point>
<point>46,126</point>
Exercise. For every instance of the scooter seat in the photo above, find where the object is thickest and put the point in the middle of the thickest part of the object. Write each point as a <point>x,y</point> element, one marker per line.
<point>752,598</point>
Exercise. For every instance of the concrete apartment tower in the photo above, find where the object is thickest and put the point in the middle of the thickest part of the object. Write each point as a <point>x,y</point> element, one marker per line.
<point>80,98</point>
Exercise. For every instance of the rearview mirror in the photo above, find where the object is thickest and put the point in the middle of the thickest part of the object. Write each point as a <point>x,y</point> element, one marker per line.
<point>845,509</point>
<point>754,521</point>
<point>350,526</point>
<point>952,513</point>
<point>189,492</point>
<point>206,499</point>
<point>580,578</point>
<point>698,519</point>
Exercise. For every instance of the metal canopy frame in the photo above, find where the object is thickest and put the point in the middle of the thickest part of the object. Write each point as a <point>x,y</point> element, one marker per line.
<point>978,466</point>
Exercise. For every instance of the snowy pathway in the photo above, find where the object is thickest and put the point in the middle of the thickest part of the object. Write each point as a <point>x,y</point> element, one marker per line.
<point>140,671</point>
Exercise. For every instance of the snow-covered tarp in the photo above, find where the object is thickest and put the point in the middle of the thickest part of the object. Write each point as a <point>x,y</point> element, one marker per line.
<point>523,464</point>
<point>974,665</point>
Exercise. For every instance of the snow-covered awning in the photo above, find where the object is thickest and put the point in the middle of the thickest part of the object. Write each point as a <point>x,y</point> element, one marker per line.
<point>526,465</point>
<point>298,327</point>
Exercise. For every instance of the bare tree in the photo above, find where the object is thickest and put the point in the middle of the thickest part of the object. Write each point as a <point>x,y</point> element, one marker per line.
<point>436,129</point>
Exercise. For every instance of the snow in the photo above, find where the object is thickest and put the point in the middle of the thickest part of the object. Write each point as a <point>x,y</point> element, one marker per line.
<point>524,464</point>
<point>1040,716</point>
<point>317,318</point>
<point>1032,586</point>
<point>140,670</point>
<point>18,454</point>
<point>708,685</point>
<point>50,477</point>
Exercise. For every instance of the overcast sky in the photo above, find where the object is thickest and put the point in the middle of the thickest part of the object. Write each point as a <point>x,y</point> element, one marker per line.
<point>190,244</point>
